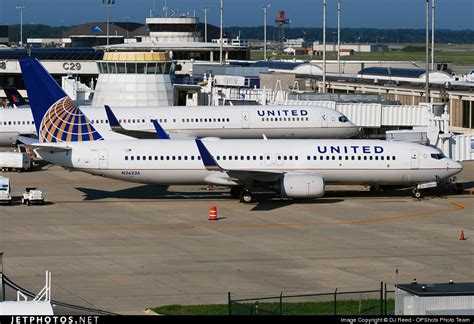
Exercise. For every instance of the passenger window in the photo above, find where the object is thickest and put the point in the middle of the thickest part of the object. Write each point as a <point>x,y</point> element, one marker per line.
<point>347,158</point>
<point>132,158</point>
<point>359,158</point>
<point>284,158</point>
<point>248,157</point>
<point>371,157</point>
<point>388,158</point>
<point>340,158</point>
<point>393,157</point>
<point>138,158</point>
<point>321,157</point>
<point>162,157</point>
<point>167,158</point>
<point>333,158</point>
<point>376,158</point>
<point>173,158</point>
<point>268,157</point>
<point>179,158</point>
<point>352,158</point>
<point>199,158</point>
<point>308,157</point>
<point>126,158</point>
<point>290,157</point>
<point>382,158</point>
<point>261,158</point>
<point>224,157</point>
<point>327,157</point>
<point>365,157</point>
<point>242,157</point>
<point>230,157</point>
<point>192,157</point>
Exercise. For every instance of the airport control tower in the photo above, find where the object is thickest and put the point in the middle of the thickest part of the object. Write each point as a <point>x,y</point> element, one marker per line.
<point>281,24</point>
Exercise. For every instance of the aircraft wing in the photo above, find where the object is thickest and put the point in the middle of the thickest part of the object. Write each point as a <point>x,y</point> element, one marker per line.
<point>222,176</point>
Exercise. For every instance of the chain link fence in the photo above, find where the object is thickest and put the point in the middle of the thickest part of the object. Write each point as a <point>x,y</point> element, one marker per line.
<point>362,302</point>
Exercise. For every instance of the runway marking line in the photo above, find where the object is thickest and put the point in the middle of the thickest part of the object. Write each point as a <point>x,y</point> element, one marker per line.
<point>456,206</point>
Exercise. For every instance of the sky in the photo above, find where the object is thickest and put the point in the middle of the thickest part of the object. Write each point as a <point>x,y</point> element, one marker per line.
<point>450,14</point>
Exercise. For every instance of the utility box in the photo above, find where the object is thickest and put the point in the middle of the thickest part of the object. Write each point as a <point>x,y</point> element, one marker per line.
<point>15,161</point>
<point>435,299</point>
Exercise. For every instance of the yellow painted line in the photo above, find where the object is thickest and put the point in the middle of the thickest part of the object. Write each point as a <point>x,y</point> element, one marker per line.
<point>455,207</point>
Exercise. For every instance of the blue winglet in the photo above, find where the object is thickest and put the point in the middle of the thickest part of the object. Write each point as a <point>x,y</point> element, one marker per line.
<point>160,132</point>
<point>206,157</point>
<point>113,121</point>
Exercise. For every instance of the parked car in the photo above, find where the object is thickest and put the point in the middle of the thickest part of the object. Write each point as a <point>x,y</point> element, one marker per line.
<point>32,196</point>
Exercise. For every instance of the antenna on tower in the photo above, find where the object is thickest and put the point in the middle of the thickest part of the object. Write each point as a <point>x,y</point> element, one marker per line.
<point>282,22</point>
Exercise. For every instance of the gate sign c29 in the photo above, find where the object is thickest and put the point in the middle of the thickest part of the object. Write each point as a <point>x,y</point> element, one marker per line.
<point>72,66</point>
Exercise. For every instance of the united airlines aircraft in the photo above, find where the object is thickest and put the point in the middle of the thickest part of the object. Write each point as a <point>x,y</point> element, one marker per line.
<point>206,121</point>
<point>294,168</point>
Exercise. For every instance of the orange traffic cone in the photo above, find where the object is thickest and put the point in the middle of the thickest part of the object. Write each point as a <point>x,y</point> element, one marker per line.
<point>213,213</point>
<point>462,238</point>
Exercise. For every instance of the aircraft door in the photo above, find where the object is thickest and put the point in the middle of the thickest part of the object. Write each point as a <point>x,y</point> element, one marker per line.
<point>103,159</point>
<point>245,119</point>
<point>324,119</point>
<point>415,159</point>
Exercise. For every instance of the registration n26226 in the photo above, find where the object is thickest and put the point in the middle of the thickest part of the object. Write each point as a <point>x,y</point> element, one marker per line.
<point>131,173</point>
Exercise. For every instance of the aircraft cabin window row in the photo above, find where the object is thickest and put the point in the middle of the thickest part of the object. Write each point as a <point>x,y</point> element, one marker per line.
<point>353,157</point>
<point>161,158</point>
<point>18,123</point>
<point>285,119</point>
<point>205,120</point>
<point>134,121</point>
<point>101,121</point>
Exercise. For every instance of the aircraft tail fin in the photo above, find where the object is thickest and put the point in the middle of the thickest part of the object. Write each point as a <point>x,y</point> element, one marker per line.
<point>14,96</point>
<point>56,117</point>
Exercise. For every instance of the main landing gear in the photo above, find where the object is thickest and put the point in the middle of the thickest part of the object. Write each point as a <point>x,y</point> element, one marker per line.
<point>418,194</point>
<point>246,196</point>
<point>243,194</point>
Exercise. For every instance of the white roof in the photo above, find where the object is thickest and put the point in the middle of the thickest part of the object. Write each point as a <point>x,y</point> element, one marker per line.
<point>26,308</point>
<point>158,46</point>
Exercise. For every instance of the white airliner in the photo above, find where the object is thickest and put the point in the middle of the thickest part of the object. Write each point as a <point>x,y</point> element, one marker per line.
<point>294,168</point>
<point>205,121</point>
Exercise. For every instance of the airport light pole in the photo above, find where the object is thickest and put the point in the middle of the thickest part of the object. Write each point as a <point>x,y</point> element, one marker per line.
<point>339,36</point>
<point>427,86</point>
<point>221,38</point>
<point>432,35</point>
<point>324,46</point>
<point>265,9</point>
<point>108,3</point>
<point>21,23</point>
<point>205,9</point>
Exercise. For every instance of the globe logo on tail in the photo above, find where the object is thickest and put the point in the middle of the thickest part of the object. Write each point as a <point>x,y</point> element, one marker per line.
<point>64,122</point>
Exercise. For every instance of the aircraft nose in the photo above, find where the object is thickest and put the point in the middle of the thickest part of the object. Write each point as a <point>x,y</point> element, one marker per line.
<point>454,166</point>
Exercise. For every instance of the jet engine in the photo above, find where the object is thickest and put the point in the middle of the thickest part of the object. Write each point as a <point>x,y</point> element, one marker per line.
<point>301,186</point>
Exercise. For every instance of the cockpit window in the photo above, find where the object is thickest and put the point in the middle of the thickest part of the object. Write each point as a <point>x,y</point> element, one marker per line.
<point>343,119</point>
<point>438,156</point>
